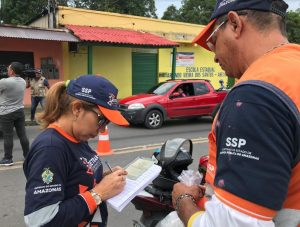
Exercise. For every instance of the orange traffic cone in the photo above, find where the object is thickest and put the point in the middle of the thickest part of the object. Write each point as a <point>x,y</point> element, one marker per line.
<point>103,147</point>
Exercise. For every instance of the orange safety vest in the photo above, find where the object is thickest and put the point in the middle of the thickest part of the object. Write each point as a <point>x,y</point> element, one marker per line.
<point>279,72</point>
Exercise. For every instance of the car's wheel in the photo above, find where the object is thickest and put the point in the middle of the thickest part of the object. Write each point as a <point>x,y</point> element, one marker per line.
<point>153,119</point>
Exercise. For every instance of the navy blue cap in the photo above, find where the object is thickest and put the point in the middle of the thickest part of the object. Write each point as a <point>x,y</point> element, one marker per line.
<point>224,6</point>
<point>100,91</point>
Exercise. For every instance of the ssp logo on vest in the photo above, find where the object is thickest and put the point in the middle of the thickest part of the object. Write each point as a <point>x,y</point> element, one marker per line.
<point>235,142</point>
<point>235,147</point>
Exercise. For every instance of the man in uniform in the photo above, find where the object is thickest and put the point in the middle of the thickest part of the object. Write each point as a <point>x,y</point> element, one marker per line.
<point>38,86</point>
<point>254,145</point>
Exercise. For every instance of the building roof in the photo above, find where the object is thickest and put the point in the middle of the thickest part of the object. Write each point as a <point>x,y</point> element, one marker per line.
<point>23,32</point>
<point>119,36</point>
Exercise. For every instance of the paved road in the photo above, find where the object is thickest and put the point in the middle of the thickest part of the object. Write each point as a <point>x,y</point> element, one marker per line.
<point>127,143</point>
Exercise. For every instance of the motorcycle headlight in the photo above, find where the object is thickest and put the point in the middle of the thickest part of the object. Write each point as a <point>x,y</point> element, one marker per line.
<point>135,106</point>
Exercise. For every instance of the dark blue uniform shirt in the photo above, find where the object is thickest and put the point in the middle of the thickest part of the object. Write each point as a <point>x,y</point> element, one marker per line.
<point>250,164</point>
<point>57,171</point>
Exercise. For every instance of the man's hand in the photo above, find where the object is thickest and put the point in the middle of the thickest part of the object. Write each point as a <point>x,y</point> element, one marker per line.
<point>186,207</point>
<point>180,188</point>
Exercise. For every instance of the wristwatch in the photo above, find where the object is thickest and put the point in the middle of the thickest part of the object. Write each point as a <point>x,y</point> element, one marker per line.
<point>96,197</point>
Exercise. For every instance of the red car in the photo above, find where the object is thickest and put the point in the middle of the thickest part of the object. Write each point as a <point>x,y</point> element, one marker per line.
<point>172,99</point>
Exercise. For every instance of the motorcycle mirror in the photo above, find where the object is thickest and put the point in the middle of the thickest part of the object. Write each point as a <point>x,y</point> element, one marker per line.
<point>172,147</point>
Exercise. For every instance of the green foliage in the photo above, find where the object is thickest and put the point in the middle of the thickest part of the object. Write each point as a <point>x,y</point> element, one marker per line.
<point>293,26</point>
<point>171,13</point>
<point>21,11</point>
<point>197,12</point>
<point>192,11</point>
<point>144,8</point>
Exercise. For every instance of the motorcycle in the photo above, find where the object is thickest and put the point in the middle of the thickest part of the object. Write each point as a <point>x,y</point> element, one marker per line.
<point>156,201</point>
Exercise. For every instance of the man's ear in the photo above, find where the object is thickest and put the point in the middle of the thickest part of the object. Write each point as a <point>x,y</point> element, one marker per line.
<point>236,23</point>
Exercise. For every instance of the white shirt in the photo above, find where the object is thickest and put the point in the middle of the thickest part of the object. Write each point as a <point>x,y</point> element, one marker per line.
<point>217,214</point>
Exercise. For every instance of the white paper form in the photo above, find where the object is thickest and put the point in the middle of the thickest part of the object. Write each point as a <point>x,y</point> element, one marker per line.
<point>134,187</point>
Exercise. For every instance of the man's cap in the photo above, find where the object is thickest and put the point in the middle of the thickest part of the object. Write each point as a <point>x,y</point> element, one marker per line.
<point>224,6</point>
<point>204,34</point>
<point>100,91</point>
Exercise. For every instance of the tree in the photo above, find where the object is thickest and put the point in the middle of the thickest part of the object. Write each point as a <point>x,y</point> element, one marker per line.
<point>292,25</point>
<point>21,11</point>
<point>172,13</point>
<point>197,12</point>
<point>144,8</point>
<point>192,11</point>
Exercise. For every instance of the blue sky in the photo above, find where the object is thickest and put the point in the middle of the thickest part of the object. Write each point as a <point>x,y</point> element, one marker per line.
<point>162,5</point>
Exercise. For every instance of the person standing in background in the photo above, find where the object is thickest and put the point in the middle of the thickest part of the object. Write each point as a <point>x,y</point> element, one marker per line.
<point>38,86</point>
<point>12,115</point>
<point>222,86</point>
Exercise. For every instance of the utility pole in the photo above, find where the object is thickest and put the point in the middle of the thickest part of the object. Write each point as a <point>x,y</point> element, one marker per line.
<point>51,14</point>
<point>173,74</point>
<point>1,11</point>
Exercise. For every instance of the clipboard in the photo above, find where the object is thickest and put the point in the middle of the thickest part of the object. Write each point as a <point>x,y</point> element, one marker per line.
<point>141,172</point>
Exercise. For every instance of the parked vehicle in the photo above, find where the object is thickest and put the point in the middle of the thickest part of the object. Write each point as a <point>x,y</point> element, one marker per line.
<point>163,102</point>
<point>156,203</point>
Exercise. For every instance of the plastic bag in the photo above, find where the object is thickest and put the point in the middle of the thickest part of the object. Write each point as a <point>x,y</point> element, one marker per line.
<point>171,219</point>
<point>190,177</point>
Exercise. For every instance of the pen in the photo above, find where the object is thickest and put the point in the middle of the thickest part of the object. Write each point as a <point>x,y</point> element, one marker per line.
<point>106,162</point>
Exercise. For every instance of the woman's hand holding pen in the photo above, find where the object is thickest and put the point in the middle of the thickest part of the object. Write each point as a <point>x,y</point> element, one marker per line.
<point>112,170</point>
<point>112,184</point>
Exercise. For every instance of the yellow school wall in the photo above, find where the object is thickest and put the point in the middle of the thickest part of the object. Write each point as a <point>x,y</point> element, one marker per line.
<point>114,63</point>
<point>203,68</point>
<point>183,33</point>
<point>78,62</point>
<point>169,29</point>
